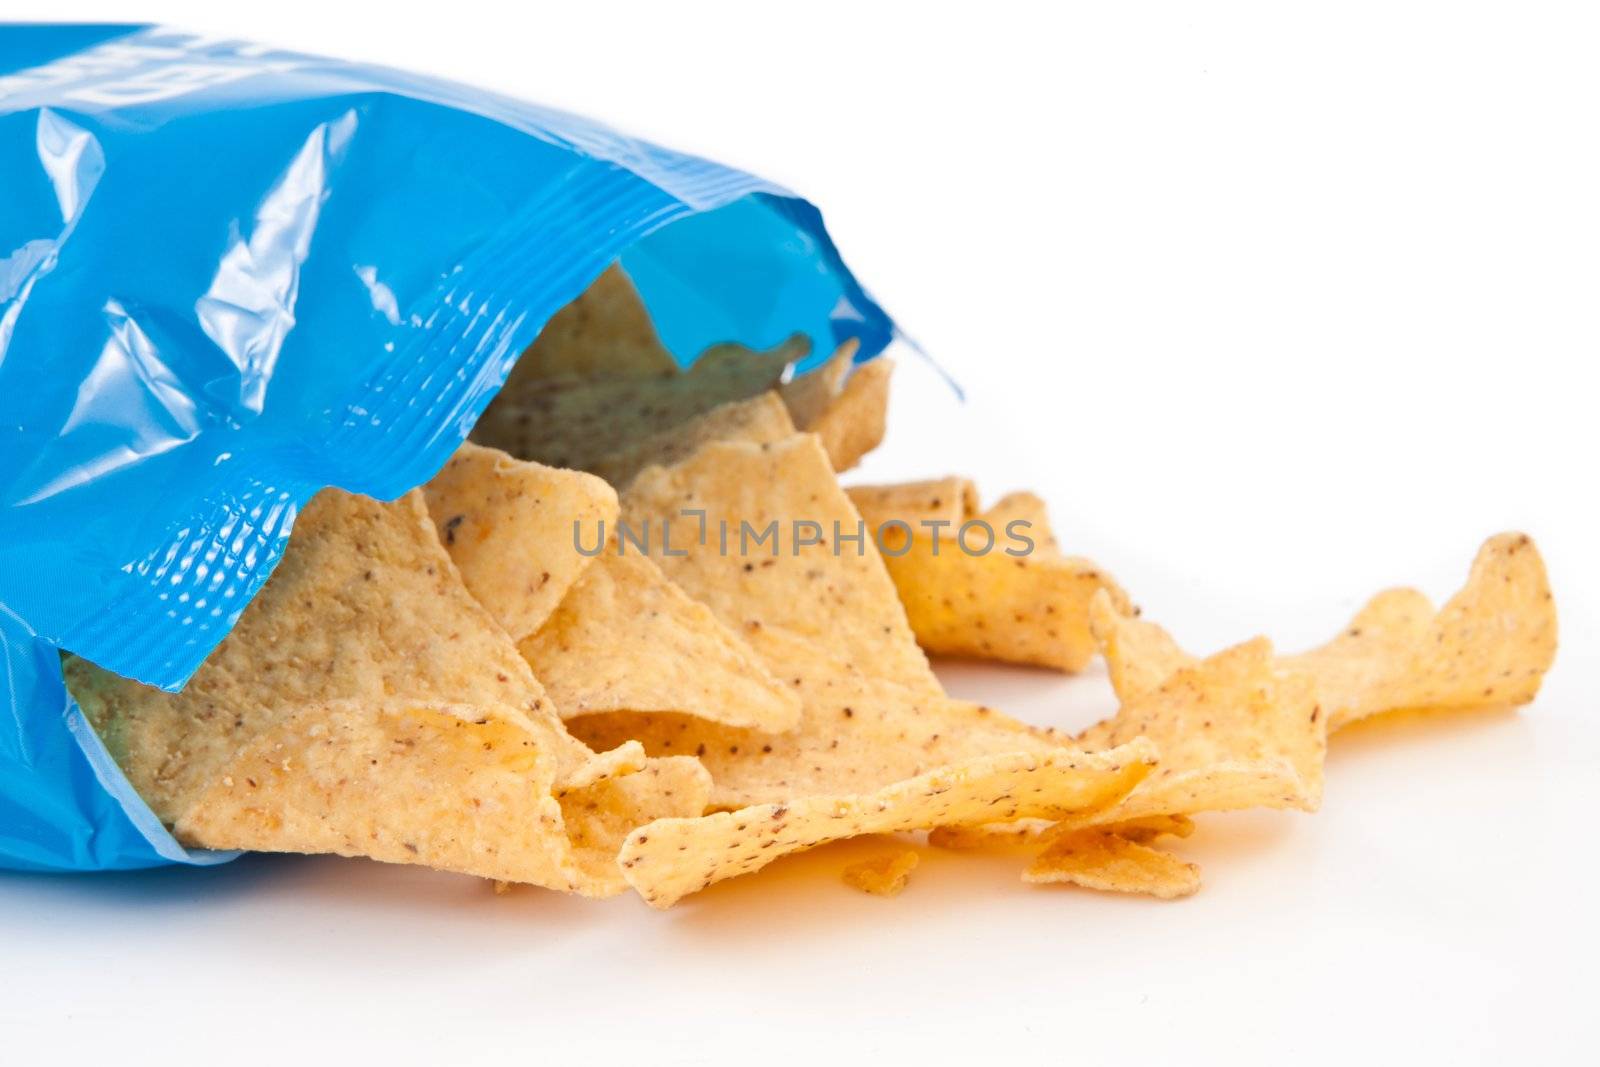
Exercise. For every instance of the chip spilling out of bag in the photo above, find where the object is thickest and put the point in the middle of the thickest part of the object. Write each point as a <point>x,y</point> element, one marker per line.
<point>366,704</point>
<point>635,634</point>
<point>598,391</point>
<point>989,584</point>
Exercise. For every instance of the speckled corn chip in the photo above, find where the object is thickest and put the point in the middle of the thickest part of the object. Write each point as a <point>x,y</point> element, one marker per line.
<point>810,394</point>
<point>605,333</point>
<point>949,500</point>
<point>990,596</point>
<point>1105,860</point>
<point>513,529</point>
<point>1489,646</point>
<point>759,420</point>
<point>578,422</point>
<point>1234,731</point>
<point>856,734</point>
<point>834,594</point>
<point>825,622</point>
<point>366,641</point>
<point>626,639</point>
<point>882,876</point>
<point>855,422</point>
<point>671,858</point>
<point>454,787</point>
<point>843,404</point>
<point>1031,509</point>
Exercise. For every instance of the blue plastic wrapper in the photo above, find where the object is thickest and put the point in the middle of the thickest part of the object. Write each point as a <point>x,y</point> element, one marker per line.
<point>231,276</point>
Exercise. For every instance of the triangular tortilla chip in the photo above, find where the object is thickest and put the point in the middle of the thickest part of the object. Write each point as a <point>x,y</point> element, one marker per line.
<point>605,333</point>
<point>856,734</point>
<point>514,530</point>
<point>366,641</point>
<point>834,594</point>
<point>998,601</point>
<point>578,422</point>
<point>824,619</point>
<point>626,639</point>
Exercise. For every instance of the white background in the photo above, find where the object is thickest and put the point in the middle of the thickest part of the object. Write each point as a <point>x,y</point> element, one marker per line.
<point>1276,309</point>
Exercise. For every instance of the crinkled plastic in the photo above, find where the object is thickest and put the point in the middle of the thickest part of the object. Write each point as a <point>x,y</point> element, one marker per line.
<point>230,276</point>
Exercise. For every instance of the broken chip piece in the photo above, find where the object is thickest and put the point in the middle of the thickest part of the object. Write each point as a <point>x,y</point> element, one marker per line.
<point>1105,860</point>
<point>884,875</point>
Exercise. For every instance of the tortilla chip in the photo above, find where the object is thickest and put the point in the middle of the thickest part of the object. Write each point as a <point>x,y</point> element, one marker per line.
<point>514,530</point>
<point>760,419</point>
<point>1490,646</point>
<point>578,422</point>
<point>365,644</point>
<point>605,333</point>
<point>883,876</point>
<point>856,735</point>
<point>854,424</point>
<point>834,594</point>
<point>1101,859</point>
<point>626,639</point>
<point>671,858</point>
<point>454,787</point>
<point>811,394</point>
<point>1031,607</point>
<point>825,623</point>
<point>1029,508</point>
<point>1234,731</point>
<point>949,500</point>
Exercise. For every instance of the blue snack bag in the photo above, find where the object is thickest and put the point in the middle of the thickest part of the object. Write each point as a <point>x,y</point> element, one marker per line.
<point>231,276</point>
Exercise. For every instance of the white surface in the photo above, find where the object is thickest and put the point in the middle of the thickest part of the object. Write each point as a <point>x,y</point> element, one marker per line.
<point>1276,310</point>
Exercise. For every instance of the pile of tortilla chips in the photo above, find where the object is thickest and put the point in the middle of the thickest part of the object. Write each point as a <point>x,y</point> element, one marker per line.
<point>636,635</point>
